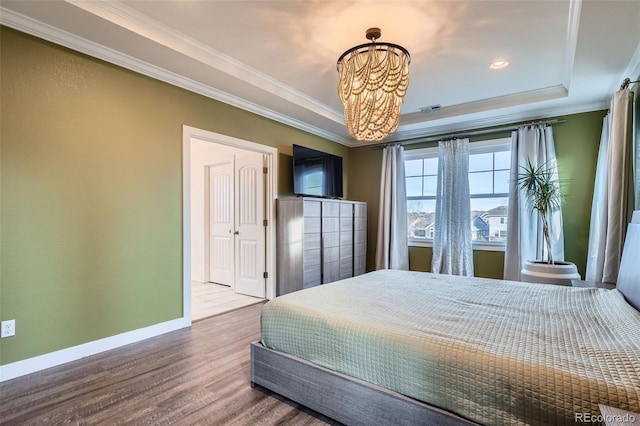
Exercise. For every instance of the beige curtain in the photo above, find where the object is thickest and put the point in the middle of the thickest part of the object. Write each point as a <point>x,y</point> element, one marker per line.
<point>392,249</point>
<point>613,195</point>
<point>524,228</point>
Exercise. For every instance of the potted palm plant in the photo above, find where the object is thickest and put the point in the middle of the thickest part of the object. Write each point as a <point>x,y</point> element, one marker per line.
<point>544,194</point>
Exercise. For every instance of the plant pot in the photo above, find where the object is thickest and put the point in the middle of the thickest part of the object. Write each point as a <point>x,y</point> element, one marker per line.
<point>559,273</point>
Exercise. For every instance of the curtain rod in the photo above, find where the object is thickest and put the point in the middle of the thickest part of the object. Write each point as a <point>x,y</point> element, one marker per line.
<point>626,82</point>
<point>466,134</point>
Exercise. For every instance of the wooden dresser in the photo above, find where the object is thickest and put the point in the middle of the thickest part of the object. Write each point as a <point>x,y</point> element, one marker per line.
<point>319,241</point>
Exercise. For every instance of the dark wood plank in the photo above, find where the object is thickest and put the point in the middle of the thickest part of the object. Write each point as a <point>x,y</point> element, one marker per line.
<point>192,376</point>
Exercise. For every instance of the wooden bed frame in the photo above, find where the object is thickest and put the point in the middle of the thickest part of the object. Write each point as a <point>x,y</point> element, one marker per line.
<point>338,396</point>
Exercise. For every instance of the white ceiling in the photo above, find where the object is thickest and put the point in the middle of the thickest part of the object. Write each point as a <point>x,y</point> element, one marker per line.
<point>277,58</point>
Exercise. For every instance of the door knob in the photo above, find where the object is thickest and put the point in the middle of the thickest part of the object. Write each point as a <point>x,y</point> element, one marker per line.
<point>236,233</point>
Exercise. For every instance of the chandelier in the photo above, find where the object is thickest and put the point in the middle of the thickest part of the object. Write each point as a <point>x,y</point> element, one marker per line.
<point>372,80</point>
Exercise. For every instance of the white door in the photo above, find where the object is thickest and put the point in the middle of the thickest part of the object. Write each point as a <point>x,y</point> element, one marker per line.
<point>237,230</point>
<point>221,223</point>
<point>250,227</point>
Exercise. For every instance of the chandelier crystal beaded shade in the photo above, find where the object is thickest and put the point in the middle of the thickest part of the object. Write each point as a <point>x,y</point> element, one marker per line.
<point>372,81</point>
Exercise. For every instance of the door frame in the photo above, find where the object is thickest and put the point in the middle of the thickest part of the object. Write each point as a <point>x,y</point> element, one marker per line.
<point>271,194</point>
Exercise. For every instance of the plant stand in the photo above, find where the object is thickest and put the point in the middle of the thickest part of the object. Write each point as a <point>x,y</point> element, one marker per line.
<point>559,273</point>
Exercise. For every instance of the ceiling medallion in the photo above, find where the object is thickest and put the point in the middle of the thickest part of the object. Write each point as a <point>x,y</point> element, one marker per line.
<point>372,81</point>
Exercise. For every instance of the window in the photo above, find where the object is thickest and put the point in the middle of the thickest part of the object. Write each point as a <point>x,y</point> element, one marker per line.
<point>489,168</point>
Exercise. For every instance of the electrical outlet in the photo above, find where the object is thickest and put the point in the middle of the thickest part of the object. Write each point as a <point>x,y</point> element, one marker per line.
<point>8,328</point>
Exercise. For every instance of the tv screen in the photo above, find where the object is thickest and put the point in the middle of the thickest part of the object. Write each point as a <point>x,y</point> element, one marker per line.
<point>316,173</point>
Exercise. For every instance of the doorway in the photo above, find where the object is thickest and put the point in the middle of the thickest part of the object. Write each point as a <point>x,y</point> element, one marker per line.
<point>250,223</point>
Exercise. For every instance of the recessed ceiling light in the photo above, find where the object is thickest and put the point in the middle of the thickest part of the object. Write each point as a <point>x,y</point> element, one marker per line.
<point>499,64</point>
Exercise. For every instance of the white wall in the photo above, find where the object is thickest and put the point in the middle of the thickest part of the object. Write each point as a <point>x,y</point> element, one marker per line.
<point>202,154</point>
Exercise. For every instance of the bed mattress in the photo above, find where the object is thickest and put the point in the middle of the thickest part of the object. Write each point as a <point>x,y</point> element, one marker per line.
<point>492,351</point>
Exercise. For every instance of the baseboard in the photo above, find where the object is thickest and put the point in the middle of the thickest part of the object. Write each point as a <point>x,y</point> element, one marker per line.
<point>52,359</point>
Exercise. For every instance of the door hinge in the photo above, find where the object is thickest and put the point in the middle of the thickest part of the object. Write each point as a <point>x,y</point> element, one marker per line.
<point>265,275</point>
<point>265,222</point>
<point>265,170</point>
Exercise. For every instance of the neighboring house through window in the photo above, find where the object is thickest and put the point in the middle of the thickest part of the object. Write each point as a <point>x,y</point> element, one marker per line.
<point>489,168</point>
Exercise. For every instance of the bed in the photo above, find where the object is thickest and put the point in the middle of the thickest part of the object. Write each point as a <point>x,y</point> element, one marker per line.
<point>399,347</point>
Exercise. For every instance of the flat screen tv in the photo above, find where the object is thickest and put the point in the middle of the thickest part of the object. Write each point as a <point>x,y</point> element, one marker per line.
<point>316,173</point>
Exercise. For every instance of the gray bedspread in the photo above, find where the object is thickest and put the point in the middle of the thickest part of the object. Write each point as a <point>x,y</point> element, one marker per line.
<point>495,352</point>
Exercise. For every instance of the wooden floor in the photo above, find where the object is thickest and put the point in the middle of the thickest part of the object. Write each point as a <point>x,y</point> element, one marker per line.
<point>192,376</point>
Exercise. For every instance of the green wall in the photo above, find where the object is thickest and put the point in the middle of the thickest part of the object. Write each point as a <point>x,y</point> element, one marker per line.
<point>91,193</point>
<point>577,141</point>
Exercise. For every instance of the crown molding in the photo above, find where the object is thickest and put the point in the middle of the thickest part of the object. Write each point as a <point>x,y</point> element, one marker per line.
<point>126,17</point>
<point>571,42</point>
<point>47,32</point>
<point>498,120</point>
<point>515,99</point>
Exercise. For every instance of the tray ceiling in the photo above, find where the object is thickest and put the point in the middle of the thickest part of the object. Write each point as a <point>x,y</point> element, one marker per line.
<point>277,58</point>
